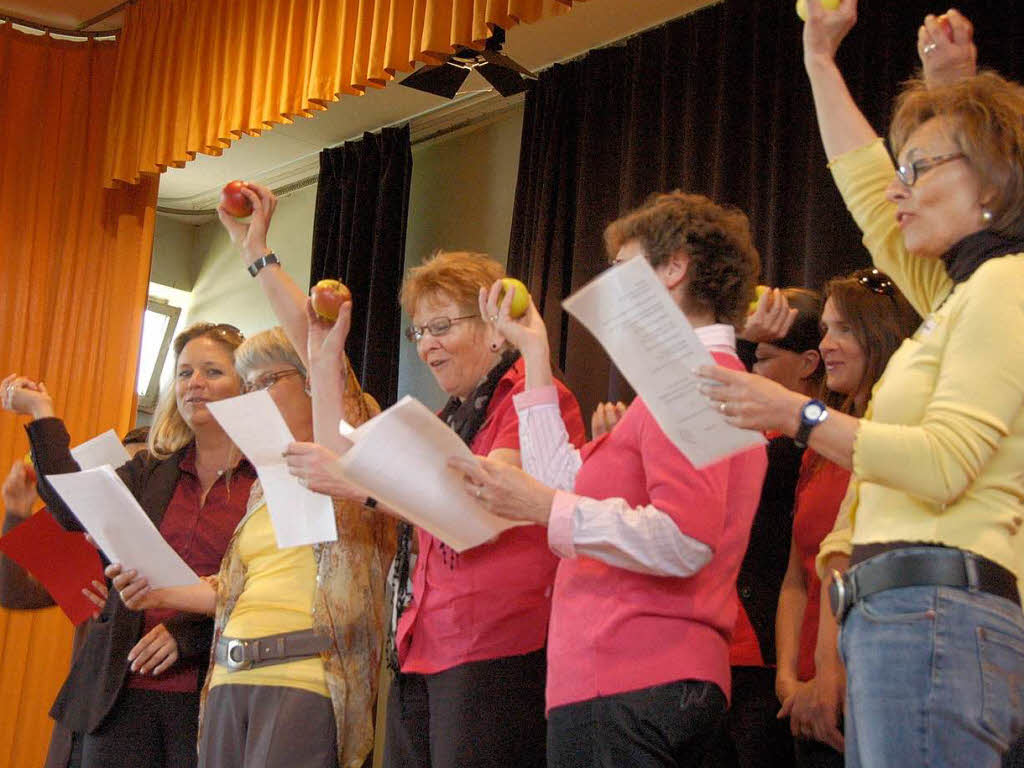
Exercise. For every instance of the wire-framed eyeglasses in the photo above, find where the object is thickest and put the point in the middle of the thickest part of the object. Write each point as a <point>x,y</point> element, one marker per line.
<point>438,326</point>
<point>268,380</point>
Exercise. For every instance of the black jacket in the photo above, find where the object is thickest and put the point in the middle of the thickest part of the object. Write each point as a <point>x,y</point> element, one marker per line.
<point>100,669</point>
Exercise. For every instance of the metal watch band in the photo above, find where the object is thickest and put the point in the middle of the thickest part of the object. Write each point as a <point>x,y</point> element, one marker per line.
<point>263,261</point>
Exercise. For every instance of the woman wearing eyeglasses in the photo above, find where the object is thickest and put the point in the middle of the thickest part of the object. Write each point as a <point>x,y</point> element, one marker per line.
<point>932,630</point>
<point>469,640</point>
<point>133,688</point>
<point>299,631</point>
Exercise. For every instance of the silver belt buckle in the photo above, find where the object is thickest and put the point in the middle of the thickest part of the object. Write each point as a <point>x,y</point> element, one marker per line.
<point>233,663</point>
<point>837,596</point>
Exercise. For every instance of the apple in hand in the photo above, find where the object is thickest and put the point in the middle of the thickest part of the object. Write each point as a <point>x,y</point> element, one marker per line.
<point>760,291</point>
<point>328,296</point>
<point>234,201</point>
<point>801,7</point>
<point>520,296</point>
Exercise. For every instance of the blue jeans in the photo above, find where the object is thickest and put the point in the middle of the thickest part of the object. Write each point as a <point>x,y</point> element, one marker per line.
<point>935,677</point>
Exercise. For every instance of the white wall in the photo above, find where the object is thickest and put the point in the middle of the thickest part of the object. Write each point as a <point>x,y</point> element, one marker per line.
<point>224,291</point>
<point>463,190</point>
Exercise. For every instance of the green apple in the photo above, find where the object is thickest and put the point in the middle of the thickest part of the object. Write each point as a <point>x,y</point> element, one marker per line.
<point>520,296</point>
<point>801,7</point>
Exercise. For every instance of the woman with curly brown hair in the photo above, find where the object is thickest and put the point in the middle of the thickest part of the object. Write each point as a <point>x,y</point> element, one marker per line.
<point>649,545</point>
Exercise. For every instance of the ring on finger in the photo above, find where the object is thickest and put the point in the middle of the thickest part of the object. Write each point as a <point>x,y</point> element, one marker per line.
<point>493,318</point>
<point>722,406</point>
<point>928,48</point>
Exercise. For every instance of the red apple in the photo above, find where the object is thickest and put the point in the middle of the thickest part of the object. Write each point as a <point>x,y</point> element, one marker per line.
<point>234,201</point>
<point>328,296</point>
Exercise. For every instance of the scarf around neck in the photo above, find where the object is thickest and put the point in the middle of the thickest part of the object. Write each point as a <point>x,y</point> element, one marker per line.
<point>964,258</point>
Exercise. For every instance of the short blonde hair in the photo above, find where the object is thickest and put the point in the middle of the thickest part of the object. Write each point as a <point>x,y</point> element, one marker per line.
<point>457,275</point>
<point>986,114</point>
<point>169,432</point>
<point>268,347</point>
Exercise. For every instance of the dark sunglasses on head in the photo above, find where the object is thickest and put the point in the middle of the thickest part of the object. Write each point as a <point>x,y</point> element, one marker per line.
<point>878,282</point>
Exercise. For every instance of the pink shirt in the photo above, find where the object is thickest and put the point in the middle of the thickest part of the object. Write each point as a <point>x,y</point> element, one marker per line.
<point>493,600</point>
<point>615,630</point>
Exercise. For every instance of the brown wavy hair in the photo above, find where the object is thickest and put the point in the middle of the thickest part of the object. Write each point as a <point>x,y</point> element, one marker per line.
<point>880,318</point>
<point>986,114</point>
<point>724,263</point>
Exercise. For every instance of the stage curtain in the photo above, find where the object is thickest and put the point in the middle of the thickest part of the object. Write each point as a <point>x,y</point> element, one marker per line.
<point>193,76</point>
<point>74,271</point>
<point>715,103</point>
<point>362,207</point>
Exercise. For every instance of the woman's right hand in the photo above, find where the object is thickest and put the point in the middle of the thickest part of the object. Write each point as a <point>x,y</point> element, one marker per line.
<point>19,490</point>
<point>251,237</point>
<point>825,30</point>
<point>605,417</point>
<point>318,470</point>
<point>20,394</point>
<point>325,343</point>
<point>770,320</point>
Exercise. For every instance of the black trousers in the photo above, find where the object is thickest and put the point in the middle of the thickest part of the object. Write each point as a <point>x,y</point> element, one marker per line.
<point>484,714</point>
<point>145,729</point>
<point>750,735</point>
<point>666,726</point>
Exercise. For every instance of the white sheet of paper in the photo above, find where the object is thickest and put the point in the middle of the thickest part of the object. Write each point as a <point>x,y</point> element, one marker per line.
<point>104,505</point>
<point>103,449</point>
<point>649,338</point>
<point>254,424</point>
<point>400,457</point>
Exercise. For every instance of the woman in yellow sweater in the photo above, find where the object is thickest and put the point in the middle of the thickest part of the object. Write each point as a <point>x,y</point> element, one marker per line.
<point>932,630</point>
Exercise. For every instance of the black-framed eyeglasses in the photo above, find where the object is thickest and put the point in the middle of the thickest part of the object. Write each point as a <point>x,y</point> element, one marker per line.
<point>438,326</point>
<point>909,174</point>
<point>268,380</point>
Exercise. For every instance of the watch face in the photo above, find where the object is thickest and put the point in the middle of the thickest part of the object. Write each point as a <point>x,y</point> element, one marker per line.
<point>813,411</point>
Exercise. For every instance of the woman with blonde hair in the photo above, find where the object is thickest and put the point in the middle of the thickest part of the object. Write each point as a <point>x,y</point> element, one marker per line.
<point>133,689</point>
<point>299,631</point>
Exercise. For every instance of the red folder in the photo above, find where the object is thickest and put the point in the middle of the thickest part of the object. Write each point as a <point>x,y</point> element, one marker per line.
<point>64,562</point>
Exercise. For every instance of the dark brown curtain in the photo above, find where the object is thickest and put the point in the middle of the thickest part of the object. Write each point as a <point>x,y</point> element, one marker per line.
<point>362,203</point>
<point>716,103</point>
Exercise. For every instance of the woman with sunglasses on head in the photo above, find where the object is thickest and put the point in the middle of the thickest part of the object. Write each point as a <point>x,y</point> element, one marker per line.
<point>865,319</point>
<point>133,689</point>
<point>932,630</point>
<point>299,631</point>
<point>469,641</point>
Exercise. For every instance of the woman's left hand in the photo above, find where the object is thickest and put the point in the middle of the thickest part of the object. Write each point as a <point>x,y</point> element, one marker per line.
<point>317,468</point>
<point>527,333</point>
<point>749,401</point>
<point>155,652</point>
<point>505,490</point>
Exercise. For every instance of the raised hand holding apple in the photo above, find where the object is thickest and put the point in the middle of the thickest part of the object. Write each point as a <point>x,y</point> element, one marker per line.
<point>233,201</point>
<point>250,237</point>
<point>825,29</point>
<point>327,298</point>
<point>19,490</point>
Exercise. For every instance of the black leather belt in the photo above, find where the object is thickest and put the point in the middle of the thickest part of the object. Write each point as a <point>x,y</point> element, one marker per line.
<point>237,653</point>
<point>920,567</point>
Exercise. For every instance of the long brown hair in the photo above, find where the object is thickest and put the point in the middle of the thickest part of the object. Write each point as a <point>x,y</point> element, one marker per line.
<point>880,318</point>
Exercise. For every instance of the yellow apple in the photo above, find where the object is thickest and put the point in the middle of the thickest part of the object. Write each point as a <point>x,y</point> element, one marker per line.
<point>520,296</point>
<point>760,291</point>
<point>801,7</point>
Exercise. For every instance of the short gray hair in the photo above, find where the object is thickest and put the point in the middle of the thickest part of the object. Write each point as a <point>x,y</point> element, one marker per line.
<point>267,348</point>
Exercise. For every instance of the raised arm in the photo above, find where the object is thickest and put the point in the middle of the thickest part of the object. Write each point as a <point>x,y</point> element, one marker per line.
<point>286,298</point>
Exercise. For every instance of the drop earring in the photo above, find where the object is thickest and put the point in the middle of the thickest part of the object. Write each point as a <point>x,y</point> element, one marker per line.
<point>986,215</point>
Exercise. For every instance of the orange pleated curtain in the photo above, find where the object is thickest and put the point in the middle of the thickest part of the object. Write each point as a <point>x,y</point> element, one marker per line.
<point>195,74</point>
<point>74,271</point>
